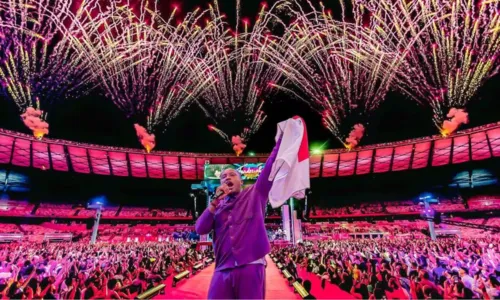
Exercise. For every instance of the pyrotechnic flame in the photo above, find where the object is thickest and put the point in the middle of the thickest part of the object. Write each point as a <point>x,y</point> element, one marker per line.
<point>355,136</point>
<point>238,144</point>
<point>444,133</point>
<point>147,140</point>
<point>456,117</point>
<point>34,119</point>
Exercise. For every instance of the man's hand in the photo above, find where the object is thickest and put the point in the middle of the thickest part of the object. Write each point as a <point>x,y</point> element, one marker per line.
<point>224,191</point>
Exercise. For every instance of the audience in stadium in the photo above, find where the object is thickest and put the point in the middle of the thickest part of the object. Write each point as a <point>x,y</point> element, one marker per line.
<point>400,268</point>
<point>83,271</point>
<point>348,258</point>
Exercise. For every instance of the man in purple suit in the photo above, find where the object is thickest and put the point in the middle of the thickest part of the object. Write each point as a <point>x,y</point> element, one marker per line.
<point>240,238</point>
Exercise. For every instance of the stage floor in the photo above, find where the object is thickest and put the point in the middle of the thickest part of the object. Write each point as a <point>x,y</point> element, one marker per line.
<point>196,287</point>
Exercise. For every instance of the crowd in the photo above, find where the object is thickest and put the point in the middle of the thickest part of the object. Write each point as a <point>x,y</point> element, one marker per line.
<point>389,268</point>
<point>399,268</point>
<point>456,204</point>
<point>478,203</point>
<point>10,208</point>
<point>83,271</point>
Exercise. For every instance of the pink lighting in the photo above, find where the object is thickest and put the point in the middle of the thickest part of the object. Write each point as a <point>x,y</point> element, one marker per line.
<point>461,149</point>
<point>188,168</point>
<point>347,161</point>
<point>480,149</point>
<point>402,156</point>
<point>138,165</point>
<point>21,155</point>
<point>99,162</point>
<point>118,162</point>
<point>364,162</point>
<point>235,160</point>
<point>314,165</point>
<point>79,159</point>
<point>382,160</point>
<point>171,165</point>
<point>40,155</point>
<point>155,166</point>
<point>25,151</point>
<point>58,158</point>
<point>219,160</point>
<point>330,163</point>
<point>6,143</point>
<point>494,138</point>
<point>200,163</point>
<point>421,155</point>
<point>441,155</point>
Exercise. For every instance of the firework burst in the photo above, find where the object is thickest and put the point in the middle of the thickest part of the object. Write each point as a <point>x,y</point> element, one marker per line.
<point>38,66</point>
<point>153,62</point>
<point>340,68</point>
<point>240,81</point>
<point>451,49</point>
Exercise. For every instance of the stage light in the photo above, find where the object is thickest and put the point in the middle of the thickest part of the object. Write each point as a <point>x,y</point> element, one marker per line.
<point>317,151</point>
<point>251,153</point>
<point>318,148</point>
<point>97,201</point>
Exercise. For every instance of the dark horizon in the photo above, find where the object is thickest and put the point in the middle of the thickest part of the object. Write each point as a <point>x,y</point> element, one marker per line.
<point>72,188</point>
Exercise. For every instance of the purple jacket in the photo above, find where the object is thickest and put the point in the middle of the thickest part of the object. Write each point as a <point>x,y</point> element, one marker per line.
<point>240,235</point>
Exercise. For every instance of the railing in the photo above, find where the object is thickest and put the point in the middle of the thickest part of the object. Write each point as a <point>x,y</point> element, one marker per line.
<point>57,237</point>
<point>22,150</point>
<point>297,286</point>
<point>11,237</point>
<point>149,294</point>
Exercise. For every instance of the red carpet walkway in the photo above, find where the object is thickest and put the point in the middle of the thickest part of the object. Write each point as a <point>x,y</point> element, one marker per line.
<point>196,287</point>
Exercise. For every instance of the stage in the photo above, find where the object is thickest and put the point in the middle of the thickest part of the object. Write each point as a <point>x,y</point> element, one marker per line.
<point>196,287</point>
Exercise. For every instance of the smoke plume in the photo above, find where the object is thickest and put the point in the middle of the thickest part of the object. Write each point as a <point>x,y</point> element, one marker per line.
<point>33,119</point>
<point>457,117</point>
<point>148,141</point>
<point>357,133</point>
<point>238,144</point>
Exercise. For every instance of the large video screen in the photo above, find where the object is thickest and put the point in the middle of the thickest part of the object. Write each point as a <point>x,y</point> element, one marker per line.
<point>249,172</point>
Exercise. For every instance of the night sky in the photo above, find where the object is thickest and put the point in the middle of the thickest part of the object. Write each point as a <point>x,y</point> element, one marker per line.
<point>95,119</point>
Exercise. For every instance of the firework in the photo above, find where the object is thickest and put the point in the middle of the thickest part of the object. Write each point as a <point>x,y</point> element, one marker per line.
<point>153,62</point>
<point>240,81</point>
<point>340,68</point>
<point>38,66</point>
<point>450,49</point>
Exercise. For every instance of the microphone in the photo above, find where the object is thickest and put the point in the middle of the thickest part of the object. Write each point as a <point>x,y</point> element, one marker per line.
<point>218,194</point>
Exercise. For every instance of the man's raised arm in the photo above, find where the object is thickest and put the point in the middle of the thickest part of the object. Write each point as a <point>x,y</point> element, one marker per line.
<point>263,184</point>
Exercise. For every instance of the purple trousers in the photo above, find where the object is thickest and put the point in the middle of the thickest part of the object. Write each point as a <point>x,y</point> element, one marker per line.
<point>245,282</point>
